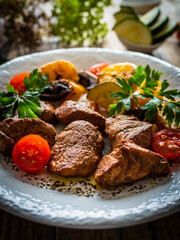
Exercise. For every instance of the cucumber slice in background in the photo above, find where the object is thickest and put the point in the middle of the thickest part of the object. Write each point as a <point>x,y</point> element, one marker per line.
<point>151,16</point>
<point>159,24</point>
<point>119,16</point>
<point>134,31</point>
<point>128,9</point>
<point>165,32</point>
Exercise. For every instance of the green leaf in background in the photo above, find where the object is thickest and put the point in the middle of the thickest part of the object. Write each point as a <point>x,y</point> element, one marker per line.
<point>78,21</point>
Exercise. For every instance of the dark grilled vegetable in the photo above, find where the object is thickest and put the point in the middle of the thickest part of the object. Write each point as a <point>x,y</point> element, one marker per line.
<point>57,91</point>
<point>87,79</point>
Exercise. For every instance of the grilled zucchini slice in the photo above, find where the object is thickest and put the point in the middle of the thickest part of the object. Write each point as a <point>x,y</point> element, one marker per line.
<point>151,16</point>
<point>134,31</point>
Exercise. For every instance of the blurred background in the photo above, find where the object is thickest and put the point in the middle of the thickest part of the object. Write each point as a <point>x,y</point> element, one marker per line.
<point>28,26</point>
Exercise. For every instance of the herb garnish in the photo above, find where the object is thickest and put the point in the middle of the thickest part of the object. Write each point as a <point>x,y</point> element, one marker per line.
<point>146,81</point>
<point>27,104</point>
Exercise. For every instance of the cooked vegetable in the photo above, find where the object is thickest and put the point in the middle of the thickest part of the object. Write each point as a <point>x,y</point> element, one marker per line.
<point>111,72</point>
<point>77,91</point>
<point>165,32</point>
<point>100,93</point>
<point>31,153</point>
<point>18,82</point>
<point>28,102</point>
<point>56,91</point>
<point>147,29</point>
<point>167,143</point>
<point>162,100</point>
<point>98,67</point>
<point>87,79</point>
<point>143,101</point>
<point>151,16</point>
<point>134,30</point>
<point>60,70</point>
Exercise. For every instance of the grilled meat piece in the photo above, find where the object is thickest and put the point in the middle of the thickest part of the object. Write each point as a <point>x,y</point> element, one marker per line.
<point>71,111</point>
<point>13,129</point>
<point>6,142</point>
<point>129,163</point>
<point>121,127</point>
<point>77,150</point>
<point>47,112</point>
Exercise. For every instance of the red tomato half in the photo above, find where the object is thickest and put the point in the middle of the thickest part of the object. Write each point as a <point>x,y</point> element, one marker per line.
<point>98,67</point>
<point>31,153</point>
<point>167,143</point>
<point>17,82</point>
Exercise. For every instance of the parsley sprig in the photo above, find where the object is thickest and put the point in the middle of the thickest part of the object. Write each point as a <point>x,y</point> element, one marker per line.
<point>27,104</point>
<point>146,81</point>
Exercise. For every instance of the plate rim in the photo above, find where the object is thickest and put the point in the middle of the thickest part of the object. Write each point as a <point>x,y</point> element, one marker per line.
<point>118,223</point>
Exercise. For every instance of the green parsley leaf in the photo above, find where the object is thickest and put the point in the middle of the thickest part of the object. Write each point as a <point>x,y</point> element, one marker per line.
<point>118,94</point>
<point>151,107</point>
<point>11,89</point>
<point>35,82</point>
<point>124,84</point>
<point>28,104</point>
<point>147,81</point>
<point>171,111</point>
<point>112,111</point>
<point>139,76</point>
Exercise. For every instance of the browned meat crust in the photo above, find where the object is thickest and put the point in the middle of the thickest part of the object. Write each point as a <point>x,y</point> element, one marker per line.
<point>121,127</point>
<point>13,129</point>
<point>47,112</point>
<point>6,142</point>
<point>129,163</point>
<point>71,111</point>
<point>77,150</point>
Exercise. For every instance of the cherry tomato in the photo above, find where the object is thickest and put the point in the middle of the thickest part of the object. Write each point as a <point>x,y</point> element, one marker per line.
<point>31,153</point>
<point>167,143</point>
<point>17,82</point>
<point>97,67</point>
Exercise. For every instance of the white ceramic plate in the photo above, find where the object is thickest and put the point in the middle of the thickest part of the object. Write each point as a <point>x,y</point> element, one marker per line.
<point>46,199</point>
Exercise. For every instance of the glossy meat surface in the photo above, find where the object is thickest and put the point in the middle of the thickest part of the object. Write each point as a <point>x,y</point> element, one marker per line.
<point>71,111</point>
<point>13,129</point>
<point>121,127</point>
<point>129,163</point>
<point>77,150</point>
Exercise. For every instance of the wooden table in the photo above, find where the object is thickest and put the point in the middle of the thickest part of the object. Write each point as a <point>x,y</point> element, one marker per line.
<point>16,228</point>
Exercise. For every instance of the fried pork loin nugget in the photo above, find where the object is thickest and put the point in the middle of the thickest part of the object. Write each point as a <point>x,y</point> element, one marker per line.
<point>71,111</point>
<point>129,163</point>
<point>121,127</point>
<point>77,150</point>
